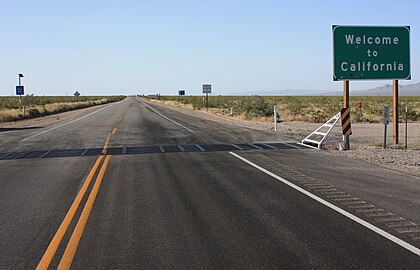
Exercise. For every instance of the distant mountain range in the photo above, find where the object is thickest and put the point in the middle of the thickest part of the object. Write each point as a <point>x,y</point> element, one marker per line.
<point>284,92</point>
<point>385,90</point>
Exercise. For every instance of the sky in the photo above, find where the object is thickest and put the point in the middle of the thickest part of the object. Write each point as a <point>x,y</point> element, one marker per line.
<point>144,47</point>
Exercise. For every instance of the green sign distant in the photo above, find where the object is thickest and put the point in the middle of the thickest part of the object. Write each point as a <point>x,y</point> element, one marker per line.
<point>371,52</point>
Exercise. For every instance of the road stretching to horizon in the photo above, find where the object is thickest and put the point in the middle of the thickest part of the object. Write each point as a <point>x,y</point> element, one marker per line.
<point>136,185</point>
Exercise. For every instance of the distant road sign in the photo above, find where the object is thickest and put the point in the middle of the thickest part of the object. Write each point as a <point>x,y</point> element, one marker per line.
<point>371,52</point>
<point>345,121</point>
<point>19,90</point>
<point>206,88</point>
<point>386,115</point>
<point>181,92</point>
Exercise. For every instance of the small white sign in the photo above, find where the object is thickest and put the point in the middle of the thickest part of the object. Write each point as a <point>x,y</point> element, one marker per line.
<point>386,115</point>
<point>206,88</point>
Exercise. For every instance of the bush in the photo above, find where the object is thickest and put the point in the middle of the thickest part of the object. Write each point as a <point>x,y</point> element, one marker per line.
<point>318,117</point>
<point>33,112</point>
<point>258,108</point>
<point>308,108</point>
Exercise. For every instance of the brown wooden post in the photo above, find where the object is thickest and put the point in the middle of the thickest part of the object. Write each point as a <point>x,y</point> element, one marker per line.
<point>346,104</point>
<point>395,109</point>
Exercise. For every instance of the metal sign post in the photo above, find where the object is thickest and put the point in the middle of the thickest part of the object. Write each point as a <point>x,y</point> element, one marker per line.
<point>406,115</point>
<point>77,94</point>
<point>385,137</point>
<point>386,122</point>
<point>20,91</point>
<point>207,91</point>
<point>275,118</point>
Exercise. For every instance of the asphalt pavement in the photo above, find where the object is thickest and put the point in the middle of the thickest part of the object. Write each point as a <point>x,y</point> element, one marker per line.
<point>133,185</point>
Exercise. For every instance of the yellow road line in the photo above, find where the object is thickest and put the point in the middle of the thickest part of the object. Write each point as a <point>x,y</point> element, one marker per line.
<point>55,242</point>
<point>71,248</point>
<point>114,130</point>
<point>106,144</point>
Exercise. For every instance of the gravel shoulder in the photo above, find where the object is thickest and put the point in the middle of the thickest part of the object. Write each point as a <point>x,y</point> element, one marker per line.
<point>366,140</point>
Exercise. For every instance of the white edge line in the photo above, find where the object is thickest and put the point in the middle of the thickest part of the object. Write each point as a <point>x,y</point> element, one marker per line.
<point>366,224</point>
<point>169,119</point>
<point>64,124</point>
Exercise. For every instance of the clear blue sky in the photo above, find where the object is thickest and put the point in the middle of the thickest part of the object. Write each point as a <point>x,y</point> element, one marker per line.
<point>124,47</point>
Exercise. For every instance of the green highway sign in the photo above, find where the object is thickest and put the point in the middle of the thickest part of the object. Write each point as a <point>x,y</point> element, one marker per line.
<point>371,52</point>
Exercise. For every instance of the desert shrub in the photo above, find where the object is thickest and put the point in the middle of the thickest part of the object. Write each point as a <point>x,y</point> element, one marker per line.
<point>33,112</point>
<point>258,108</point>
<point>307,108</point>
<point>318,116</point>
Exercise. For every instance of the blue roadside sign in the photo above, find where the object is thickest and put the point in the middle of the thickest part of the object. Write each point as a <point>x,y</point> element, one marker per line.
<point>19,90</point>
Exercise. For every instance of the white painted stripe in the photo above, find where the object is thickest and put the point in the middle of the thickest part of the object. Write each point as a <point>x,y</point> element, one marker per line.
<point>169,119</point>
<point>269,146</point>
<point>255,146</point>
<point>366,224</point>
<point>200,147</point>
<point>291,145</point>
<point>6,155</point>
<point>237,147</point>
<point>45,154</point>
<point>67,123</point>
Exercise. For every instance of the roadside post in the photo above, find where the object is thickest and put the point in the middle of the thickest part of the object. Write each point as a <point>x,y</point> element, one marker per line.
<point>372,53</point>
<point>77,94</point>
<point>346,127</point>
<point>346,94</point>
<point>207,91</point>
<point>406,127</point>
<point>386,122</point>
<point>20,91</point>
<point>395,117</point>
<point>275,118</point>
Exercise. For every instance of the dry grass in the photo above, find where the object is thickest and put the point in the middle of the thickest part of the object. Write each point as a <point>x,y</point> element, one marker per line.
<point>313,109</point>
<point>37,110</point>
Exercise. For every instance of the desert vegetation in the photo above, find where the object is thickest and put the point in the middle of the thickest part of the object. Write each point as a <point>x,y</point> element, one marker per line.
<point>36,106</point>
<point>299,108</point>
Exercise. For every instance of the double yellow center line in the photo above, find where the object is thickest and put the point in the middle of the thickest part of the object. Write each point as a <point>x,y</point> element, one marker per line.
<point>71,248</point>
<point>107,141</point>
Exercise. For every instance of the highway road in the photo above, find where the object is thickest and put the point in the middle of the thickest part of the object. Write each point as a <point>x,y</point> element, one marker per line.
<point>136,185</point>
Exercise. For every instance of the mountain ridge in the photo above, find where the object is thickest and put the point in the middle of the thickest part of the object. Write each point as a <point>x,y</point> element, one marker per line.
<point>384,90</point>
